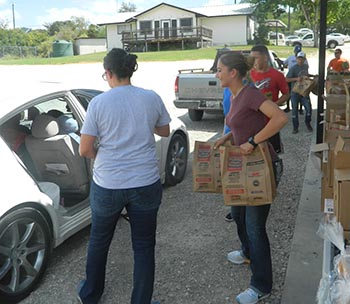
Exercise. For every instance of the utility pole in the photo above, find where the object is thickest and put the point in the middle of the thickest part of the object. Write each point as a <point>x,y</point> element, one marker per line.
<point>13,16</point>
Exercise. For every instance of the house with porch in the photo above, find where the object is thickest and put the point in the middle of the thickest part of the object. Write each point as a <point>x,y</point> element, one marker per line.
<point>166,26</point>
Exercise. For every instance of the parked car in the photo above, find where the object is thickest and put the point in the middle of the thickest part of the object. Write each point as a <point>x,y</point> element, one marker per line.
<point>276,38</point>
<point>345,37</point>
<point>289,39</point>
<point>301,32</point>
<point>45,183</point>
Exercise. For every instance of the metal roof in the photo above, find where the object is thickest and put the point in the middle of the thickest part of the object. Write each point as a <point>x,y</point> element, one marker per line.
<point>205,11</point>
<point>275,23</point>
<point>225,10</point>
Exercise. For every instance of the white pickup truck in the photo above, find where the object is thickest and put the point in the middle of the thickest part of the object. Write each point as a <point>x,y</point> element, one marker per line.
<point>308,40</point>
<point>200,91</point>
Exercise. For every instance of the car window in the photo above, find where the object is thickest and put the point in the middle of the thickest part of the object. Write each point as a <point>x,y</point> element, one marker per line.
<point>85,99</point>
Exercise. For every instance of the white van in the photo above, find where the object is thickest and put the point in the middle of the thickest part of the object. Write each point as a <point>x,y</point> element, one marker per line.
<point>277,38</point>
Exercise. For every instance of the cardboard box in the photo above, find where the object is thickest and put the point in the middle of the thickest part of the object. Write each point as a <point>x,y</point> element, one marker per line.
<point>342,196</point>
<point>347,236</point>
<point>338,157</point>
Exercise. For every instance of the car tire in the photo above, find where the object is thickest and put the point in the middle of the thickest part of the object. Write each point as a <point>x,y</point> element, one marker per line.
<point>332,44</point>
<point>25,246</point>
<point>195,115</point>
<point>176,161</point>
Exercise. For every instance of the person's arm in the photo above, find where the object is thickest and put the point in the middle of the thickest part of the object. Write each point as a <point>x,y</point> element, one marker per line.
<point>222,140</point>
<point>280,101</point>
<point>277,120</point>
<point>284,89</point>
<point>87,146</point>
<point>162,131</point>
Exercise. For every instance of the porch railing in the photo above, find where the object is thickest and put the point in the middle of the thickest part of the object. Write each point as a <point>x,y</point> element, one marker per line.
<point>168,33</point>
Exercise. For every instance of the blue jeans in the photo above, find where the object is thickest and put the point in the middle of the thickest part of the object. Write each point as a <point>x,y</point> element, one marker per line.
<point>251,229</point>
<point>142,205</point>
<point>305,101</point>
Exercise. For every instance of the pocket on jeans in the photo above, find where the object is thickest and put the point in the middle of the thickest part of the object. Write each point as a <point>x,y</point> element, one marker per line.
<point>102,202</point>
<point>148,197</point>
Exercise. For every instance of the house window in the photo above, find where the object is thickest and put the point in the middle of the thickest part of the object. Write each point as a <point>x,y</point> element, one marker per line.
<point>123,28</point>
<point>186,24</point>
<point>156,29</point>
<point>146,27</point>
<point>173,28</point>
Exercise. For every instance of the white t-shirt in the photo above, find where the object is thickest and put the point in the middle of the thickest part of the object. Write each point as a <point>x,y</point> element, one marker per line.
<point>123,119</point>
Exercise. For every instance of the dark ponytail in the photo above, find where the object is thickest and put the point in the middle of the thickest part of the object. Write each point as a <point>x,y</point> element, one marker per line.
<point>120,63</point>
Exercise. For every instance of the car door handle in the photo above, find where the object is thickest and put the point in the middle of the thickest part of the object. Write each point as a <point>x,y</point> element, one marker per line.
<point>212,83</point>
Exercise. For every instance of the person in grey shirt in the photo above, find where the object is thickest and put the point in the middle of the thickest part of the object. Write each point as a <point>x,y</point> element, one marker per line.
<point>294,74</point>
<point>124,120</point>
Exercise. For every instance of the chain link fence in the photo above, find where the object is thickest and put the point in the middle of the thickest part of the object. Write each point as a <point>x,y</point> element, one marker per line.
<point>18,51</point>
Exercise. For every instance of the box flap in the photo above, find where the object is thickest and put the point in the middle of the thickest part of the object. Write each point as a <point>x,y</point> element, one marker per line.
<point>319,147</point>
<point>341,175</point>
<point>339,145</point>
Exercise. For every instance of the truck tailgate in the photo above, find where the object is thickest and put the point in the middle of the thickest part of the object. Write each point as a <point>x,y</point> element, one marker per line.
<point>199,86</point>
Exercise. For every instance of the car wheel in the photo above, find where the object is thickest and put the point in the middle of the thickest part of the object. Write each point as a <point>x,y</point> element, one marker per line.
<point>332,44</point>
<point>24,252</point>
<point>176,161</point>
<point>195,115</point>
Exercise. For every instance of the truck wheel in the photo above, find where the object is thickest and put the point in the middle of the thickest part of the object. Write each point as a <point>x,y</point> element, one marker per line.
<point>332,44</point>
<point>195,115</point>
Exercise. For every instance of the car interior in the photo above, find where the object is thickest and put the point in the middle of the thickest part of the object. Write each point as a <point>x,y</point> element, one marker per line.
<point>46,137</point>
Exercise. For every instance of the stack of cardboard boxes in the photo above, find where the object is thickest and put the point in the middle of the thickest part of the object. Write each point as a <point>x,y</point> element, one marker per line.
<point>335,156</point>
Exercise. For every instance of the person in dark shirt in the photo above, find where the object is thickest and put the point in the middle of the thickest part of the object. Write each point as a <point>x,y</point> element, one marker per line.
<point>252,119</point>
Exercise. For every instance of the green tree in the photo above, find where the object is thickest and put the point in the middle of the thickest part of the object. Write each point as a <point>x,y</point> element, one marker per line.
<point>127,7</point>
<point>37,37</point>
<point>95,31</point>
<point>338,16</point>
<point>69,29</point>
<point>265,9</point>
<point>4,24</point>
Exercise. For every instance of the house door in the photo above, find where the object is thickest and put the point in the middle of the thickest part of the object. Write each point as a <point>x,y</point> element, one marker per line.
<point>166,29</point>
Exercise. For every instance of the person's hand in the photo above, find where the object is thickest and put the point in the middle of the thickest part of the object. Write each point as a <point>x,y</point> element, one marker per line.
<point>246,148</point>
<point>219,142</point>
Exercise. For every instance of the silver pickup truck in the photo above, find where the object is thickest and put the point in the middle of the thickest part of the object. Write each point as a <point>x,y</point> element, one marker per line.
<point>200,91</point>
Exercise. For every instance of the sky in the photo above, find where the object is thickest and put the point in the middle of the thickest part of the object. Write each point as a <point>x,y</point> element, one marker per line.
<point>36,13</point>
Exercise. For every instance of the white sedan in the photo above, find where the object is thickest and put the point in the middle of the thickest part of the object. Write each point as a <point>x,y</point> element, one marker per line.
<point>345,37</point>
<point>45,183</point>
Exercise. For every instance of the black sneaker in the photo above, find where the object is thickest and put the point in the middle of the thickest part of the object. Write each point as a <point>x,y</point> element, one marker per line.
<point>309,128</point>
<point>295,131</point>
<point>286,110</point>
<point>228,217</point>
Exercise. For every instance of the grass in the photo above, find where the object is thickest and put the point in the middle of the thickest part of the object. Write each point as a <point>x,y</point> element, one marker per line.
<point>204,53</point>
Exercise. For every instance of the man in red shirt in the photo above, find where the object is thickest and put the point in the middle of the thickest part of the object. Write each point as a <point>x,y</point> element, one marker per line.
<point>270,82</point>
<point>338,64</point>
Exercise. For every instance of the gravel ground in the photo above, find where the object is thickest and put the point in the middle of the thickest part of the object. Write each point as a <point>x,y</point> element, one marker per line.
<point>192,247</point>
<point>193,238</point>
<point>192,242</point>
